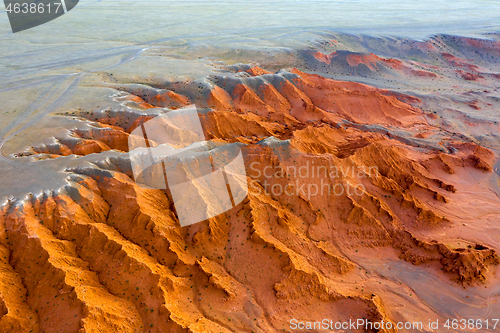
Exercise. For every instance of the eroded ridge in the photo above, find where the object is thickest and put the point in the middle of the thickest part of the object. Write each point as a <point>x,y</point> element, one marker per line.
<point>103,254</point>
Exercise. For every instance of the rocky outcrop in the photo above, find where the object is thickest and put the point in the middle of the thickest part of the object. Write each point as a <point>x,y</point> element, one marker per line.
<point>103,254</point>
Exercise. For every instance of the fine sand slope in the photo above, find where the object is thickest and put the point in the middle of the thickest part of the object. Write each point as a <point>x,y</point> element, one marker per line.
<point>351,190</point>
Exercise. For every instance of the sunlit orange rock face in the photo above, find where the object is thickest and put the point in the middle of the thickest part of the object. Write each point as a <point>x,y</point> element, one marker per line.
<point>330,182</point>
